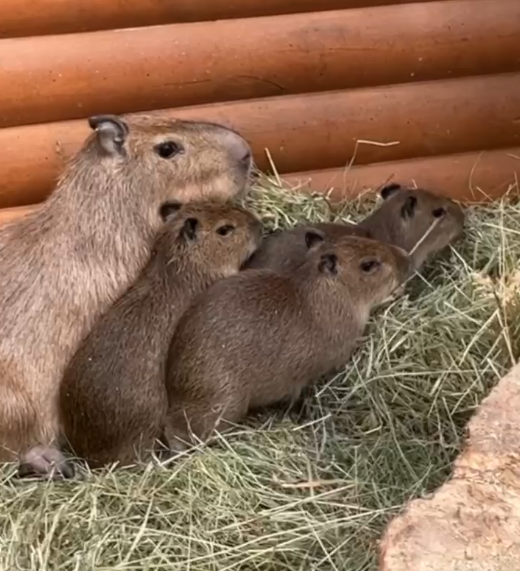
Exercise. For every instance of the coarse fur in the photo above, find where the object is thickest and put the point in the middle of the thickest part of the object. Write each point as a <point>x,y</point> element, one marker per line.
<point>403,219</point>
<point>113,398</point>
<point>64,264</point>
<point>261,337</point>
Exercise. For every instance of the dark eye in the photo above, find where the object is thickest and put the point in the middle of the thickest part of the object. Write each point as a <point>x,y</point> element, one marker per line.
<point>369,265</point>
<point>225,230</point>
<point>438,212</point>
<point>168,149</point>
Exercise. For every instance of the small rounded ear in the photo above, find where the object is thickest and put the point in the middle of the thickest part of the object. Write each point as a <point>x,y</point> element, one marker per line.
<point>169,210</point>
<point>313,238</point>
<point>328,264</point>
<point>111,132</point>
<point>408,208</point>
<point>439,212</point>
<point>390,189</point>
<point>189,229</point>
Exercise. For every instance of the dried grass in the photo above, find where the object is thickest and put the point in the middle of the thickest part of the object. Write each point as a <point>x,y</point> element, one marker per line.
<point>310,492</point>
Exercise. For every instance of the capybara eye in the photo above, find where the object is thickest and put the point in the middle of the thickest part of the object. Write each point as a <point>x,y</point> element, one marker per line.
<point>168,149</point>
<point>225,230</point>
<point>438,212</point>
<point>368,266</point>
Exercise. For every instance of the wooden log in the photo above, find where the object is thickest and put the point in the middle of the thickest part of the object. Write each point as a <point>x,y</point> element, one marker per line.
<point>307,132</point>
<point>468,178</point>
<point>57,78</point>
<point>22,18</point>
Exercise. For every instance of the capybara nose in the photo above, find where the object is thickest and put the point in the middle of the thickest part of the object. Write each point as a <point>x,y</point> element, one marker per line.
<point>238,148</point>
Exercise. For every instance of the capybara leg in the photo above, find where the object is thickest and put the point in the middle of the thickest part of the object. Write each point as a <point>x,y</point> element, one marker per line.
<point>187,425</point>
<point>44,462</point>
<point>177,434</point>
<point>18,419</point>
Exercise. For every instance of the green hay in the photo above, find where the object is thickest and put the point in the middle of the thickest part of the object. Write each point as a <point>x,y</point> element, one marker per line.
<point>310,493</point>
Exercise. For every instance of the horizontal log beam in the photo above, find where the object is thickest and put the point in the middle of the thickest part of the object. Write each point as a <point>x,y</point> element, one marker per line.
<point>306,132</point>
<point>467,177</point>
<point>140,69</point>
<point>22,18</point>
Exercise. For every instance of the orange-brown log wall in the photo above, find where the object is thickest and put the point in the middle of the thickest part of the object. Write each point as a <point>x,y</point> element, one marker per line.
<point>344,94</point>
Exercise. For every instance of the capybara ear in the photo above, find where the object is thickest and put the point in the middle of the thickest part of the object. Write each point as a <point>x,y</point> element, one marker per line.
<point>313,238</point>
<point>328,264</point>
<point>169,210</point>
<point>390,189</point>
<point>111,132</point>
<point>189,229</point>
<point>408,208</point>
<point>439,212</point>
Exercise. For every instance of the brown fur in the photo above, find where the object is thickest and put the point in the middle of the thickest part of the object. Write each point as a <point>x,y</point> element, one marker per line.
<point>112,398</point>
<point>403,219</point>
<point>259,337</point>
<point>64,265</point>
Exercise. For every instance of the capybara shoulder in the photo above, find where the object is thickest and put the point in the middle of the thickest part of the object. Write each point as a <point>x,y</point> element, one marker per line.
<point>261,336</point>
<point>112,397</point>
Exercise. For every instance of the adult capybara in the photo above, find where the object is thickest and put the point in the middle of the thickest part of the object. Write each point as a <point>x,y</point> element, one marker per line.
<point>261,337</point>
<point>66,263</point>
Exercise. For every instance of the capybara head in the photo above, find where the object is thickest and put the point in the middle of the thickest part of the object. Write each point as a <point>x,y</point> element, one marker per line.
<point>194,159</point>
<point>216,237</point>
<point>285,250</point>
<point>369,270</point>
<point>422,222</point>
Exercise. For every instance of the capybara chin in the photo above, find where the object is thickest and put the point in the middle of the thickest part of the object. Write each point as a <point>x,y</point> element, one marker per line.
<point>261,337</point>
<point>416,220</point>
<point>112,397</point>
<point>64,264</point>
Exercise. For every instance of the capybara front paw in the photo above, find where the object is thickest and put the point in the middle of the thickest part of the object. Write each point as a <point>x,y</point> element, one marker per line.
<point>45,462</point>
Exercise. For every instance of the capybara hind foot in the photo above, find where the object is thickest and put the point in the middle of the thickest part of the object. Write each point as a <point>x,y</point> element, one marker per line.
<point>44,462</point>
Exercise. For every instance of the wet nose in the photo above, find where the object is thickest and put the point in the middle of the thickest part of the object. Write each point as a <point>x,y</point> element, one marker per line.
<point>238,147</point>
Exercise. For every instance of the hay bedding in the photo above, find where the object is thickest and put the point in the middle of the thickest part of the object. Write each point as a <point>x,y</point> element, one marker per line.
<point>309,490</point>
